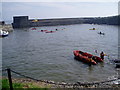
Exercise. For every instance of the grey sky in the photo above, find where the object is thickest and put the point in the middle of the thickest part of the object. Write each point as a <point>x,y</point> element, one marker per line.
<point>60,0</point>
<point>58,9</point>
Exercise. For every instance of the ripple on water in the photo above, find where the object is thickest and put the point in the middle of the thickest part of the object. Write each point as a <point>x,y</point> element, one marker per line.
<point>50,56</point>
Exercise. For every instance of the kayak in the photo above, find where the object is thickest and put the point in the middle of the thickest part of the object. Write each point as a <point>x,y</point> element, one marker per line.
<point>92,29</point>
<point>101,33</point>
<point>44,30</point>
<point>79,56</point>
<point>50,31</point>
<point>33,28</point>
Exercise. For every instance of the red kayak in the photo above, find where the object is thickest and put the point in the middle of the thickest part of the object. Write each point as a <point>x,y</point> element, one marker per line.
<point>44,30</point>
<point>50,31</point>
<point>33,28</point>
<point>79,56</point>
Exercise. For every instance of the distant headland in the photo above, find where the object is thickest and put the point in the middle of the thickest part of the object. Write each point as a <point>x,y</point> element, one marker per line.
<point>24,21</point>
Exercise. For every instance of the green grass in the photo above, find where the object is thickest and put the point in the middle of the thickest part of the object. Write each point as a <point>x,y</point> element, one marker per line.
<point>5,85</point>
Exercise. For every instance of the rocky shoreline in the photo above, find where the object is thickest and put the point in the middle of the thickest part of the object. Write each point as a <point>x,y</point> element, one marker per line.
<point>52,84</point>
<point>6,27</point>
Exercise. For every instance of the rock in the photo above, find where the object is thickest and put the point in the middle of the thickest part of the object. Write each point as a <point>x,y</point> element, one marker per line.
<point>6,27</point>
<point>118,65</point>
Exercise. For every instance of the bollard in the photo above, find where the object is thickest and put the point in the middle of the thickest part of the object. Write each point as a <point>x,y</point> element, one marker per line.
<point>9,78</point>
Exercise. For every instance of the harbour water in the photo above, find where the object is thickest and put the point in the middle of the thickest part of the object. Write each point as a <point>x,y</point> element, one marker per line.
<point>49,56</point>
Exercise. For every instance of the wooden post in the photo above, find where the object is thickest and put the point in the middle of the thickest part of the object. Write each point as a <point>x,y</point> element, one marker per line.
<point>9,78</point>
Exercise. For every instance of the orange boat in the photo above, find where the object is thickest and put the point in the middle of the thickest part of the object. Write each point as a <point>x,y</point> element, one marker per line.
<point>79,55</point>
<point>95,58</point>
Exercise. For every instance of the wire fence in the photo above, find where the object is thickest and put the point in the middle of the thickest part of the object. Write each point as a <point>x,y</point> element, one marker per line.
<point>77,84</point>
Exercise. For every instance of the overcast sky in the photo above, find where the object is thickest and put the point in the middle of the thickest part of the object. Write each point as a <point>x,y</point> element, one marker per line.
<point>60,0</point>
<point>59,9</point>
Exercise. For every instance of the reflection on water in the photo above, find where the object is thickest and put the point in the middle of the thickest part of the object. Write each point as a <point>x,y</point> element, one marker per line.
<point>50,55</point>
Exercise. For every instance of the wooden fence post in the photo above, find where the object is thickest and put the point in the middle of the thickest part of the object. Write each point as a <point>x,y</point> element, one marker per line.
<point>9,78</point>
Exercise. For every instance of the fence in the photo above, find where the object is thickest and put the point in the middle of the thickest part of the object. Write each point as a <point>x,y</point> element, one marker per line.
<point>74,85</point>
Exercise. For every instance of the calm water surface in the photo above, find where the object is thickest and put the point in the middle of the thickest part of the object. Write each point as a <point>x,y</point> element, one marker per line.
<point>50,56</point>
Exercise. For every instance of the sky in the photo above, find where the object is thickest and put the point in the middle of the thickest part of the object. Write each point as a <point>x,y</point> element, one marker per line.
<point>42,9</point>
<point>60,0</point>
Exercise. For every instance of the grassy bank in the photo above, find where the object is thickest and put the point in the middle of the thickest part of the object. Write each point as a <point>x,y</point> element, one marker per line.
<point>23,84</point>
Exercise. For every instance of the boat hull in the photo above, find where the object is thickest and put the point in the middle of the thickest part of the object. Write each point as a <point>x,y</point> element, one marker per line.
<point>82,58</point>
<point>4,33</point>
<point>96,58</point>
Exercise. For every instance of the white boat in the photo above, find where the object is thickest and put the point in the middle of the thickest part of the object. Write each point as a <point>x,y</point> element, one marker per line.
<point>3,33</point>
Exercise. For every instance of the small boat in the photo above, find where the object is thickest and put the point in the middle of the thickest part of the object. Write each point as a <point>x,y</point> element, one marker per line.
<point>79,56</point>
<point>50,31</point>
<point>3,33</point>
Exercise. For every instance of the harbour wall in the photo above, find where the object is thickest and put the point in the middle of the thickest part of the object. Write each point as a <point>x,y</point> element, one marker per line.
<point>24,21</point>
<point>54,22</point>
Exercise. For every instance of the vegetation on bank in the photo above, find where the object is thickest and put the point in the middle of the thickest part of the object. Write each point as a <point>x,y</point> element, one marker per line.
<point>5,84</point>
<point>22,83</point>
<point>113,20</point>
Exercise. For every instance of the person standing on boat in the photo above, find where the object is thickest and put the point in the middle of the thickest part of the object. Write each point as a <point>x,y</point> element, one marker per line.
<point>102,55</point>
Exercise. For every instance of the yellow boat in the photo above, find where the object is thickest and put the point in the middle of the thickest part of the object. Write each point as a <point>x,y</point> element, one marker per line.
<point>92,29</point>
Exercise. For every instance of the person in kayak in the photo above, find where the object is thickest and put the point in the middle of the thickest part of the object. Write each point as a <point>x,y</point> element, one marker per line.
<point>102,55</point>
<point>93,28</point>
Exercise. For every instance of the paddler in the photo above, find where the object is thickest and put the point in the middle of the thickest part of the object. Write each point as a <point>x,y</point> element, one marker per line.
<point>102,55</point>
<point>93,28</point>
